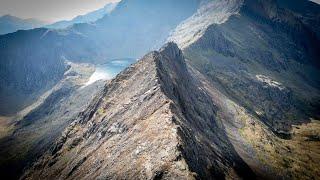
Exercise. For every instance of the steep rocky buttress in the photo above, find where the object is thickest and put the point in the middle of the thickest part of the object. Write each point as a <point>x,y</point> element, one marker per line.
<point>152,121</point>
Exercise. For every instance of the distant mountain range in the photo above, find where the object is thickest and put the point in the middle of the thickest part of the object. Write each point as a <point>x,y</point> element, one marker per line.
<point>87,18</point>
<point>9,24</point>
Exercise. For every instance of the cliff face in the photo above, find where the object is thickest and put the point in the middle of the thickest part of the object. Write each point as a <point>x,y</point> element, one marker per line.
<point>151,121</point>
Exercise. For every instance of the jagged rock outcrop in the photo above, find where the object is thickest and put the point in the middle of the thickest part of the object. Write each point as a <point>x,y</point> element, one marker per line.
<point>152,121</point>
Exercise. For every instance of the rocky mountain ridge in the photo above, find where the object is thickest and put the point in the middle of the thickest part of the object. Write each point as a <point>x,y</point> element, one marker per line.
<point>166,128</point>
<point>168,120</point>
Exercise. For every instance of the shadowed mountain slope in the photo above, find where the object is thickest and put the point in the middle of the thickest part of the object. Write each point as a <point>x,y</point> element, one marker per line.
<point>35,129</point>
<point>267,60</point>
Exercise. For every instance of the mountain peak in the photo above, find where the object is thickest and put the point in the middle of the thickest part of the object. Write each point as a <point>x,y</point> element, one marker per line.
<point>209,12</point>
<point>171,50</point>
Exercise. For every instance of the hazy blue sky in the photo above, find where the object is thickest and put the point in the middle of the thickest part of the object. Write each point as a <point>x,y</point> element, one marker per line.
<point>50,10</point>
